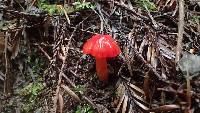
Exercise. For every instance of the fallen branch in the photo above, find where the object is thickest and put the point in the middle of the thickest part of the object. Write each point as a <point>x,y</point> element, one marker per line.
<point>180,30</point>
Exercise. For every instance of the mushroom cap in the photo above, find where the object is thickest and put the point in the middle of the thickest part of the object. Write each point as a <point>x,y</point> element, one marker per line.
<point>101,46</point>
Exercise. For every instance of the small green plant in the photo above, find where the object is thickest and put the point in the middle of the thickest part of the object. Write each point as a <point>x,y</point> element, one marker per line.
<point>150,5</point>
<point>30,94</point>
<point>80,88</point>
<point>195,19</point>
<point>50,8</point>
<point>84,109</point>
<point>56,9</point>
<point>32,88</point>
<point>83,5</point>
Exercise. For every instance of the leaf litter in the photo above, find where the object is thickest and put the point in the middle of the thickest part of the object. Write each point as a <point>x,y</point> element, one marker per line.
<point>143,78</point>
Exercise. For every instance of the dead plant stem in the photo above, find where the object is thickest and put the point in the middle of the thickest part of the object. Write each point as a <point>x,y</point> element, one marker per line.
<point>180,30</point>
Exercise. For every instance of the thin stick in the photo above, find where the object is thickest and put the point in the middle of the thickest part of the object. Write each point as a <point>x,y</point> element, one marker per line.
<point>180,30</point>
<point>6,65</point>
<point>188,90</point>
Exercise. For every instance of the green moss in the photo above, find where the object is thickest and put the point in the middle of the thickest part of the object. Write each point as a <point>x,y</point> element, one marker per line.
<point>83,5</point>
<point>29,92</point>
<point>30,95</point>
<point>84,109</point>
<point>56,9</point>
<point>80,88</point>
<point>150,5</point>
<point>195,19</point>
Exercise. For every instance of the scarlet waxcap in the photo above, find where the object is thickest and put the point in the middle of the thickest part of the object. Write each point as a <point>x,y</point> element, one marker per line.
<point>101,46</point>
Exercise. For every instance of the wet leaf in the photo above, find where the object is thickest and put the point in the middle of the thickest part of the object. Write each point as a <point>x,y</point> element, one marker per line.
<point>189,62</point>
<point>2,42</point>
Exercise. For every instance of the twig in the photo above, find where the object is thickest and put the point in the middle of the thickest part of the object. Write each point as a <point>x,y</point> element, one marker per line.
<point>44,52</point>
<point>180,30</point>
<point>64,57</point>
<point>6,59</point>
<point>188,89</point>
<point>102,19</point>
<point>129,9</point>
<point>155,25</point>
<point>128,61</point>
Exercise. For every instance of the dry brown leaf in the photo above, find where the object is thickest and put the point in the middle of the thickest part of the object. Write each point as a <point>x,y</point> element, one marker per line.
<point>102,109</point>
<point>120,90</point>
<point>120,102</point>
<point>166,4</point>
<point>2,42</point>
<point>15,48</point>
<point>137,89</point>
<point>154,61</point>
<point>141,105</point>
<point>144,43</point>
<point>166,52</point>
<point>149,53</point>
<point>130,109</point>
<point>128,60</point>
<point>2,76</point>
<point>138,97</point>
<point>55,100</point>
<point>163,73</point>
<point>146,86</point>
<point>165,108</point>
<point>125,103</point>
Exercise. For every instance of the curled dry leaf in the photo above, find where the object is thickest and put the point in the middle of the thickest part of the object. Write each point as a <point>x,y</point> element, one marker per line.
<point>70,92</point>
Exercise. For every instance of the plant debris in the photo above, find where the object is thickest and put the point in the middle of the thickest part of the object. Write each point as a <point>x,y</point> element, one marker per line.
<point>44,69</point>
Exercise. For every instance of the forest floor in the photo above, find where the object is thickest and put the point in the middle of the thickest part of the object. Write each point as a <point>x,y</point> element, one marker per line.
<point>43,68</point>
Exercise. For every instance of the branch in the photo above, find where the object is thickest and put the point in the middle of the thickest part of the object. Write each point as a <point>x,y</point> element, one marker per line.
<point>180,30</point>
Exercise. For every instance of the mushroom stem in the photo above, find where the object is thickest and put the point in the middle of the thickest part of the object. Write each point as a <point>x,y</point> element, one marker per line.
<point>101,68</point>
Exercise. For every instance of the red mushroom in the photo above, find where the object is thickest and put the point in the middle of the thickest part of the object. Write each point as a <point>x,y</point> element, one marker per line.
<point>101,47</point>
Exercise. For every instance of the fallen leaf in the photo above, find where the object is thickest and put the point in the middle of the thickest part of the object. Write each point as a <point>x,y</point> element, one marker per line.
<point>189,62</point>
